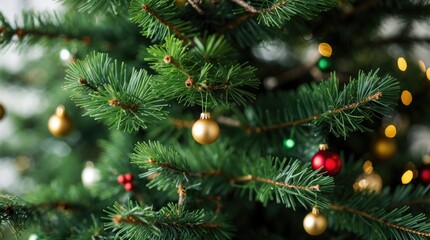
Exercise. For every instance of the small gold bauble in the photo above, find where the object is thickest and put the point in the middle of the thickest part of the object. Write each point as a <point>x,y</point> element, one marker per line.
<point>315,223</point>
<point>60,124</point>
<point>2,112</point>
<point>205,130</point>
<point>369,183</point>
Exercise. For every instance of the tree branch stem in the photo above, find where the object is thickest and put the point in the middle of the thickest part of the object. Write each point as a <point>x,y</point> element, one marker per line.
<point>367,215</point>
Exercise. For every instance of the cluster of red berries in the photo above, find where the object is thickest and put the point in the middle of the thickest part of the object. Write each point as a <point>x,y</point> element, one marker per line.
<point>127,181</point>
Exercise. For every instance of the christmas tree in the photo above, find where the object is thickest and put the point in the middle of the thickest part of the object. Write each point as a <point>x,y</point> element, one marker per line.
<point>216,119</point>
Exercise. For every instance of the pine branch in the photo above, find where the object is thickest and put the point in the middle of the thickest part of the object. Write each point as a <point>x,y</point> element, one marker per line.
<point>343,111</point>
<point>396,223</point>
<point>196,5</point>
<point>385,215</point>
<point>191,75</point>
<point>47,28</point>
<point>134,222</point>
<point>289,181</point>
<point>92,6</point>
<point>16,213</point>
<point>109,93</point>
<point>275,13</point>
<point>159,18</point>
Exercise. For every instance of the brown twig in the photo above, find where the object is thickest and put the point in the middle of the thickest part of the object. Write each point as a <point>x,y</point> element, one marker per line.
<point>269,181</point>
<point>195,5</point>
<point>174,29</point>
<point>182,195</point>
<point>367,215</point>
<point>314,117</point>
<point>181,123</point>
<point>411,202</point>
<point>251,12</point>
<point>114,102</point>
<point>246,5</point>
<point>117,219</point>
<point>86,84</point>
<point>232,179</point>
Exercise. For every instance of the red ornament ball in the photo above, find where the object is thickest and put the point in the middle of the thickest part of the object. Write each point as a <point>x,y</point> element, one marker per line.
<point>330,162</point>
<point>128,177</point>
<point>121,179</point>
<point>425,174</point>
<point>128,186</point>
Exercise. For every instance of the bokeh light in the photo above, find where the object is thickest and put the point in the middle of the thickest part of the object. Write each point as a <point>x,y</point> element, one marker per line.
<point>325,49</point>
<point>406,97</point>
<point>289,143</point>
<point>401,64</point>
<point>422,65</point>
<point>390,131</point>
<point>428,73</point>
<point>324,63</point>
<point>407,177</point>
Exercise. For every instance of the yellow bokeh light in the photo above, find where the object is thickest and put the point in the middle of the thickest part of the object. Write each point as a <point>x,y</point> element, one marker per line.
<point>325,49</point>
<point>422,65</point>
<point>401,63</point>
<point>406,97</point>
<point>407,177</point>
<point>428,73</point>
<point>390,131</point>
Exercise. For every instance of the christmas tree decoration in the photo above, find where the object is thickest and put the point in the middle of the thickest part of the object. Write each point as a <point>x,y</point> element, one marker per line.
<point>369,181</point>
<point>280,76</point>
<point>126,180</point>
<point>315,223</point>
<point>60,124</point>
<point>328,161</point>
<point>2,112</point>
<point>128,186</point>
<point>324,64</point>
<point>121,179</point>
<point>384,148</point>
<point>424,174</point>
<point>90,175</point>
<point>205,130</point>
<point>128,177</point>
<point>325,49</point>
<point>33,237</point>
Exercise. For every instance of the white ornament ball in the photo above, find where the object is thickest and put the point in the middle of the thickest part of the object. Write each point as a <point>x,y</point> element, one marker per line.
<point>90,175</point>
<point>33,237</point>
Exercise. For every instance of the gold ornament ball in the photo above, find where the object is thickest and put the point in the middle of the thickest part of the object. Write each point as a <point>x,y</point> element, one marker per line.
<point>205,130</point>
<point>2,112</point>
<point>60,124</point>
<point>315,223</point>
<point>369,183</point>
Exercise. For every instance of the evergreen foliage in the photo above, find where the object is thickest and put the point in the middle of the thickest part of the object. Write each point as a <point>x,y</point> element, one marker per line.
<point>148,88</point>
